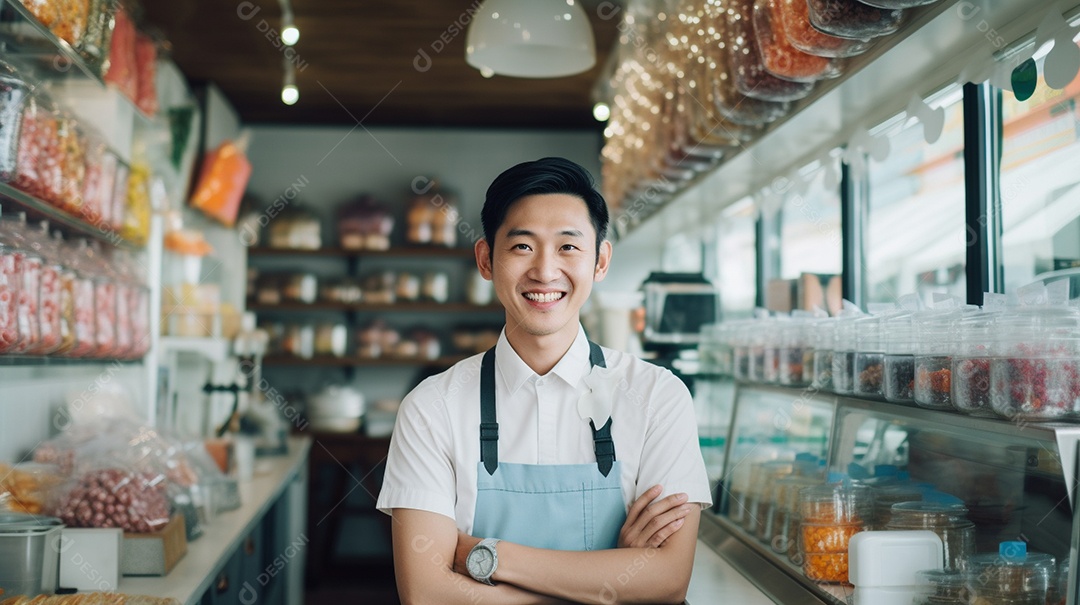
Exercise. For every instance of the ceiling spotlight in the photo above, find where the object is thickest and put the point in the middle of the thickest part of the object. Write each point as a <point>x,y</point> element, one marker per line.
<point>601,112</point>
<point>289,33</point>
<point>290,94</point>
<point>487,72</point>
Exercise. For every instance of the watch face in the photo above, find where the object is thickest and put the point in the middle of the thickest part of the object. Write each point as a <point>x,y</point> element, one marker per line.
<point>480,562</point>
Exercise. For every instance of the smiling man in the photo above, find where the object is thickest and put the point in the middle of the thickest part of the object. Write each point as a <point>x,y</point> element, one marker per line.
<point>548,469</point>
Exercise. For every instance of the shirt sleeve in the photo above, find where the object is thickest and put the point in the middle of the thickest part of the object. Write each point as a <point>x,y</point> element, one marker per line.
<point>419,468</point>
<point>671,456</point>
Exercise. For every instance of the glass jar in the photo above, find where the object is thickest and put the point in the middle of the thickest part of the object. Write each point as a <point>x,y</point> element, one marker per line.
<point>885,496</point>
<point>436,287</point>
<point>106,303</point>
<point>843,360</point>
<point>935,342</point>
<point>778,56</point>
<point>299,340</point>
<point>771,331</point>
<point>125,298</point>
<point>300,287</point>
<point>765,473</point>
<point>14,90</point>
<point>784,518</point>
<point>10,285</point>
<point>794,348</point>
<point>1035,372</point>
<point>729,102</point>
<point>27,265</point>
<point>802,35</point>
<point>898,335</point>
<point>117,214</point>
<point>99,180</point>
<point>756,339</point>
<point>942,587</point>
<point>1011,577</point>
<point>71,155</point>
<point>948,521</point>
<point>331,339</point>
<point>853,19</point>
<point>829,515</point>
<point>971,364</point>
<point>869,369</point>
<point>749,74</point>
<point>36,127</point>
<point>49,297</point>
<point>95,43</point>
<point>824,339</point>
<point>1060,589</point>
<point>82,297</point>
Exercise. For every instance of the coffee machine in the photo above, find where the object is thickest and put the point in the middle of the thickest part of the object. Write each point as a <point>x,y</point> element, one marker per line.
<point>677,306</point>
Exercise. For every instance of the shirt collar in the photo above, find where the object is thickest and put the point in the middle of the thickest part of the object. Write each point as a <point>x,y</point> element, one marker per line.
<point>572,368</point>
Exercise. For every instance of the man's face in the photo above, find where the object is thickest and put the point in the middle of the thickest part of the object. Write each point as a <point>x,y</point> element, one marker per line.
<point>543,263</point>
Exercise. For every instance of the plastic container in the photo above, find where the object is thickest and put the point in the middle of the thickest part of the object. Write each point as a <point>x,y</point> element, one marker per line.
<point>894,4</point>
<point>747,70</point>
<point>72,163</point>
<point>948,521</point>
<point>971,364</point>
<point>1035,373</point>
<point>10,286</point>
<point>935,343</point>
<point>1013,576</point>
<point>772,330</point>
<point>739,337</point>
<point>49,297</point>
<point>942,587</point>
<point>105,301</point>
<point>1060,589</point>
<point>824,339</point>
<point>27,265</point>
<point>795,15</point>
<point>853,19</point>
<point>761,496</point>
<point>843,361</point>
<point>82,295</point>
<point>885,496</point>
<point>756,337</point>
<point>795,353</point>
<point>784,516</point>
<point>778,56</point>
<point>869,370</point>
<point>885,564</point>
<point>830,515</point>
<point>898,335</point>
<point>14,90</point>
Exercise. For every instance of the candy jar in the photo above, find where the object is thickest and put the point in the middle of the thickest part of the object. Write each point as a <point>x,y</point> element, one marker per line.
<point>67,295</point>
<point>10,285</point>
<point>71,160</point>
<point>795,15</point>
<point>869,370</point>
<point>935,342</point>
<point>824,339</point>
<point>49,299</point>
<point>1012,576</point>
<point>120,271</point>
<point>34,133</point>
<point>942,587</point>
<point>971,364</point>
<point>898,334</point>
<point>843,361</point>
<point>830,514</point>
<point>853,19</point>
<point>751,78</point>
<point>27,264</point>
<point>55,137</point>
<point>778,56</point>
<point>82,297</point>
<point>893,4</point>
<point>948,521</point>
<point>792,353</point>
<point>105,302</point>
<point>13,97</point>
<point>1035,371</point>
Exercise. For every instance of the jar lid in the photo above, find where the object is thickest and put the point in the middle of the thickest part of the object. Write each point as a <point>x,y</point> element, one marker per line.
<point>1014,570</point>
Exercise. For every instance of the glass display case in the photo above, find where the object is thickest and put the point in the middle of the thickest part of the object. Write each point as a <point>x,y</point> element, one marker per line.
<point>791,450</point>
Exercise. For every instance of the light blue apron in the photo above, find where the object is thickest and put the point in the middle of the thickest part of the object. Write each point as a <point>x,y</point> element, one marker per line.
<point>554,506</point>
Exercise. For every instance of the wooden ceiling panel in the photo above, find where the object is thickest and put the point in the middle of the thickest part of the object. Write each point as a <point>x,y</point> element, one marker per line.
<point>364,56</point>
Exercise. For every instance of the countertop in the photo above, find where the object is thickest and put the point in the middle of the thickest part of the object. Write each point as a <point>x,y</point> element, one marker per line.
<point>714,580</point>
<point>207,555</point>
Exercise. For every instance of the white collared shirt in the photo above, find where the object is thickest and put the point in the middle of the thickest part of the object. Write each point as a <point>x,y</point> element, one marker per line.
<point>435,447</point>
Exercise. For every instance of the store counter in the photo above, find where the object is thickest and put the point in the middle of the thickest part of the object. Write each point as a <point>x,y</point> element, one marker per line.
<point>714,580</point>
<point>213,570</point>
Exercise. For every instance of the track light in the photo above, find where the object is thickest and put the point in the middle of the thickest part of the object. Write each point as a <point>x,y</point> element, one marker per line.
<point>290,34</point>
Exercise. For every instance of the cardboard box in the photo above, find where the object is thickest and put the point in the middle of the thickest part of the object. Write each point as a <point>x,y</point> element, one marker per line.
<point>154,554</point>
<point>780,295</point>
<point>90,558</point>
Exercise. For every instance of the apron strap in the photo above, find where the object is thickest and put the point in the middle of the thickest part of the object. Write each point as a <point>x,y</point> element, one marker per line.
<point>489,426</point>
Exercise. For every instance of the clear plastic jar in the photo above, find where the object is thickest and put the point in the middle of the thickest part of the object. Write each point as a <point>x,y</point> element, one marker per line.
<point>740,350</point>
<point>14,90</point>
<point>82,296</point>
<point>36,126</point>
<point>935,343</point>
<point>749,74</point>
<point>49,298</point>
<point>778,56</point>
<point>1060,589</point>
<point>853,19</point>
<point>784,517</point>
<point>1011,577</point>
<point>10,285</point>
<point>729,102</point>
<point>764,475</point>
<point>756,339</point>
<point>898,334</point>
<point>1035,373</point>
<point>802,35</point>
<point>894,4</point>
<point>105,303</point>
<point>824,339</point>
<point>27,265</point>
<point>118,211</point>
<point>843,361</point>
<point>942,587</point>
<point>829,515</point>
<point>971,364</point>
<point>795,353</point>
<point>72,163</point>
<point>869,371</point>
<point>772,330</point>
<point>948,521</point>
<point>885,496</point>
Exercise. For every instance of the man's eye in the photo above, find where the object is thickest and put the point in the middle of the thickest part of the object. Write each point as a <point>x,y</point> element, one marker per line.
<point>569,247</point>
<point>521,246</point>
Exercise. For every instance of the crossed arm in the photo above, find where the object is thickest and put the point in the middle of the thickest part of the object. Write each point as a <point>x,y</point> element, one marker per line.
<point>651,565</point>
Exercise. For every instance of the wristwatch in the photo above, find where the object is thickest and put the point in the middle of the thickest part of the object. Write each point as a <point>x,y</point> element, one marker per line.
<point>483,560</point>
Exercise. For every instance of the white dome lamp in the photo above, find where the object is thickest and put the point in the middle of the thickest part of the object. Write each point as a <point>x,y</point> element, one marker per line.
<point>531,38</point>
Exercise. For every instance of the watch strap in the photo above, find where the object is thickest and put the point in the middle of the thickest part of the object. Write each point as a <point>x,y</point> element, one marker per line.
<point>488,544</point>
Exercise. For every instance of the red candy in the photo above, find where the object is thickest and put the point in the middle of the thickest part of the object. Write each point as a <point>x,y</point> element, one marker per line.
<point>134,502</point>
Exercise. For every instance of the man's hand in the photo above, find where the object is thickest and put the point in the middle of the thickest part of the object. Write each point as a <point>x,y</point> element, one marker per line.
<point>648,525</point>
<point>465,544</point>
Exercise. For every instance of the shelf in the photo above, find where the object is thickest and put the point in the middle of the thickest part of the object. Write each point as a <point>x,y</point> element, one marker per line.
<point>13,199</point>
<point>214,349</point>
<point>398,307</point>
<point>426,252</point>
<point>44,361</point>
<point>329,361</point>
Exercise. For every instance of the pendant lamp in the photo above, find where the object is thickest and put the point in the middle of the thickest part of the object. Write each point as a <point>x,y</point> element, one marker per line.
<point>531,38</point>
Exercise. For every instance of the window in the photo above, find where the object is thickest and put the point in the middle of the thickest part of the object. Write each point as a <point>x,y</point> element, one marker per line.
<point>915,238</point>
<point>810,223</point>
<point>1040,186</point>
<point>682,254</point>
<point>737,259</point>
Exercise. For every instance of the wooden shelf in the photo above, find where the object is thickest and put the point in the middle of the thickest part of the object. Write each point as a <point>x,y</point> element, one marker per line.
<point>426,252</point>
<point>398,307</point>
<point>358,362</point>
<point>14,200</point>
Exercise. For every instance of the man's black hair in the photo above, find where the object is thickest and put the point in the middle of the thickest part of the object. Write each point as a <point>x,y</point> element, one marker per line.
<point>539,177</point>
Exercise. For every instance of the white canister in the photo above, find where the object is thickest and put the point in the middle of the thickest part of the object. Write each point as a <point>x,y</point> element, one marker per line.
<point>883,564</point>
